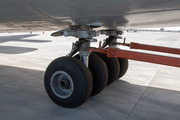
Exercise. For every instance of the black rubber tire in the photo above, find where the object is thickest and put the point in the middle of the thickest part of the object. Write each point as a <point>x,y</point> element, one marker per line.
<point>81,77</point>
<point>123,66</point>
<point>112,66</point>
<point>99,73</point>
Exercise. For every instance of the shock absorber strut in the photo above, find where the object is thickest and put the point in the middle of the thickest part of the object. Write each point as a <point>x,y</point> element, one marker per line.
<point>85,34</point>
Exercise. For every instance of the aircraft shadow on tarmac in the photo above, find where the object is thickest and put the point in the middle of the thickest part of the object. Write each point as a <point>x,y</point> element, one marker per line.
<point>15,50</point>
<point>18,38</point>
<point>23,96</point>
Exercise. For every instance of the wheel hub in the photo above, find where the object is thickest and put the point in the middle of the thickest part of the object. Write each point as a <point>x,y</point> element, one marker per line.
<point>62,84</point>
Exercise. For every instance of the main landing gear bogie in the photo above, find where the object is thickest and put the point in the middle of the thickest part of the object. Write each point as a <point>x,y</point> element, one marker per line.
<point>69,81</point>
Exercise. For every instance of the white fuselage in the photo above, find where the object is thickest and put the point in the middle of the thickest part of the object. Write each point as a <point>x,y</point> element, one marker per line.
<point>58,14</point>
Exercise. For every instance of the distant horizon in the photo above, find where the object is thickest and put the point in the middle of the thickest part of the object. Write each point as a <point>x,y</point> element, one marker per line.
<point>165,28</point>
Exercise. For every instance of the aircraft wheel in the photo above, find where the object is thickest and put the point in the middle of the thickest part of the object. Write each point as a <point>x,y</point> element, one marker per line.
<point>123,66</point>
<point>112,66</point>
<point>99,72</point>
<point>68,82</point>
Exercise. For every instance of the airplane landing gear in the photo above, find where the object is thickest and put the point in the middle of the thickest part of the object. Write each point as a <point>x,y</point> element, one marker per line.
<point>69,80</point>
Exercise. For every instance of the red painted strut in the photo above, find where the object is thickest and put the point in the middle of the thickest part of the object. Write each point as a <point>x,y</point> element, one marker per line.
<point>154,48</point>
<point>145,57</point>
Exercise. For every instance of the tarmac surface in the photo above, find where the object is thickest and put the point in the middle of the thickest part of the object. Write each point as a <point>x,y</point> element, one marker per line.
<point>147,91</point>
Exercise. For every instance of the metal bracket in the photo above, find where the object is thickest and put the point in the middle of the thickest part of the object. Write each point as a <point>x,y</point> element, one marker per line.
<point>112,32</point>
<point>85,32</point>
<point>75,48</point>
<point>113,36</point>
<point>77,45</point>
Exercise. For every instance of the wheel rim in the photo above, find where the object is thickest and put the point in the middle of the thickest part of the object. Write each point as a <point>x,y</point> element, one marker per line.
<point>62,84</point>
